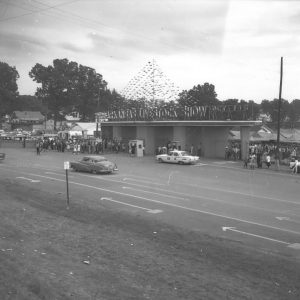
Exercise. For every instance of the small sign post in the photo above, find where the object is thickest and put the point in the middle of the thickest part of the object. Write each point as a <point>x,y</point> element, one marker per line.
<point>67,167</point>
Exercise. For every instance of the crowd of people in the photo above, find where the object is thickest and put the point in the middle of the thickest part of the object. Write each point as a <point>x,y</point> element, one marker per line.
<point>263,153</point>
<point>76,146</point>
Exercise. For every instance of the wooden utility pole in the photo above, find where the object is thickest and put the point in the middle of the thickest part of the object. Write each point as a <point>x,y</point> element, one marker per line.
<point>278,117</point>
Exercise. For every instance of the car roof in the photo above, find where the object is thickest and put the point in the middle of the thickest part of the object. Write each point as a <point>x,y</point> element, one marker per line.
<point>94,157</point>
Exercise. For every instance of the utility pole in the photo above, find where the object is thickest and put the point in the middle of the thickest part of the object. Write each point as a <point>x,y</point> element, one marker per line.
<point>278,117</point>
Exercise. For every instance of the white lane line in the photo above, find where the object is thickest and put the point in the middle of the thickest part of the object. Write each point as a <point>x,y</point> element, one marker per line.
<point>287,219</point>
<point>238,193</point>
<point>199,165</point>
<point>134,176</point>
<point>70,176</point>
<point>170,175</point>
<point>197,186</point>
<point>159,194</point>
<point>254,235</point>
<point>173,205</point>
<point>195,196</point>
<point>193,185</point>
<point>29,179</point>
<point>138,180</point>
<point>152,211</point>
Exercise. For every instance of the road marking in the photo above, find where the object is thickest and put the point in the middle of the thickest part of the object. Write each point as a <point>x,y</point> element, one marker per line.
<point>255,235</point>
<point>287,219</point>
<point>70,176</point>
<point>199,165</point>
<point>294,246</point>
<point>239,193</point>
<point>29,179</point>
<point>164,195</point>
<point>138,180</point>
<point>190,195</point>
<point>170,175</point>
<point>169,204</point>
<point>283,218</point>
<point>173,205</point>
<point>152,211</point>
<point>194,185</point>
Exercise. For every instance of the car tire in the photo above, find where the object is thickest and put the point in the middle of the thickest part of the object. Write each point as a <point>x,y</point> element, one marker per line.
<point>180,163</point>
<point>160,160</point>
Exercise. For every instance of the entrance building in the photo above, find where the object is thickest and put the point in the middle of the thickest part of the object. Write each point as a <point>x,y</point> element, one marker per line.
<point>210,136</point>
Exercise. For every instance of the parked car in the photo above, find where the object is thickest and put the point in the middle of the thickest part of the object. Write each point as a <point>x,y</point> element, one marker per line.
<point>2,156</point>
<point>177,157</point>
<point>94,164</point>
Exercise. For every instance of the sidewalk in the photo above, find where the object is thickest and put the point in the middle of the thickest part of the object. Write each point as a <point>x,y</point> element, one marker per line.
<point>239,164</point>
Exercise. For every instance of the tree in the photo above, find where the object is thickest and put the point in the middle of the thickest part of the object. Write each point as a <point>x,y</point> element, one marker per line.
<point>294,112</point>
<point>271,108</point>
<point>27,102</point>
<point>57,84</point>
<point>199,95</point>
<point>90,89</point>
<point>8,87</point>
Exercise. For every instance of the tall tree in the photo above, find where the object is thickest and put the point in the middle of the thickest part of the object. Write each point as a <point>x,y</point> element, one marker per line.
<point>57,84</point>
<point>294,112</point>
<point>28,102</point>
<point>199,95</point>
<point>271,108</point>
<point>8,87</point>
<point>90,89</point>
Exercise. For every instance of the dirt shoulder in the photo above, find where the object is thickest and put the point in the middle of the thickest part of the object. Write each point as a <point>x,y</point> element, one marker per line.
<point>90,252</point>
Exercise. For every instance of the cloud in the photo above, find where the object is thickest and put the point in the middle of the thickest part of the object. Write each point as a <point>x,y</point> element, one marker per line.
<point>20,46</point>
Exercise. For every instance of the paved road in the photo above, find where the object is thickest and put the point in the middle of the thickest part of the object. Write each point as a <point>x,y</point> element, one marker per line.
<point>259,208</point>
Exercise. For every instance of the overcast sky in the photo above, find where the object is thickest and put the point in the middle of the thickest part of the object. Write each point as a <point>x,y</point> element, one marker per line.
<point>235,45</point>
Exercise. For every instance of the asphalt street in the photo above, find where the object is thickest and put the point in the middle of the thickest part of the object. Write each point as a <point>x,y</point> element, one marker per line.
<point>260,208</point>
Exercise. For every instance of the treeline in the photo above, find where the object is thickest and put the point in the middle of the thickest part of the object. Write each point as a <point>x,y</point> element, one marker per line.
<point>66,86</point>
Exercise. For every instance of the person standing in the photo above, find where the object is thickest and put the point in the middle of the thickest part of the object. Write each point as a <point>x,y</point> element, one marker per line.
<point>38,149</point>
<point>252,161</point>
<point>296,166</point>
<point>268,160</point>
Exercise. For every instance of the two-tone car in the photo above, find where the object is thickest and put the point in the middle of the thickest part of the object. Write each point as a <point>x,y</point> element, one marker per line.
<point>94,164</point>
<point>177,157</point>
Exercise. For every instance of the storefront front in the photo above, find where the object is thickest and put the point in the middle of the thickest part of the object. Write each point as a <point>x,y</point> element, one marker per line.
<point>210,137</point>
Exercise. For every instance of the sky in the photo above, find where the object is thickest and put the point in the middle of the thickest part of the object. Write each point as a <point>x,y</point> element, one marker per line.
<point>236,45</point>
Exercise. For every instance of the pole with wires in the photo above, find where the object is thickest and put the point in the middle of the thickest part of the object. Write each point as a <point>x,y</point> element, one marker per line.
<point>278,116</point>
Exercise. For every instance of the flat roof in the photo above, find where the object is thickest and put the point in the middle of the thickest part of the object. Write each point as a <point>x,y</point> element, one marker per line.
<point>182,123</point>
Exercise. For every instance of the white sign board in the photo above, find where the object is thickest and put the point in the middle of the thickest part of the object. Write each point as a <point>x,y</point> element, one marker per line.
<point>66,165</point>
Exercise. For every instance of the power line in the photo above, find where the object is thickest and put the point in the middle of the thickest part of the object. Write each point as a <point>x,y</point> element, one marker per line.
<point>92,22</point>
<point>33,12</point>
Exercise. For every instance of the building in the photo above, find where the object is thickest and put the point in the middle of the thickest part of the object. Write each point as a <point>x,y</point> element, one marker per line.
<point>26,119</point>
<point>210,136</point>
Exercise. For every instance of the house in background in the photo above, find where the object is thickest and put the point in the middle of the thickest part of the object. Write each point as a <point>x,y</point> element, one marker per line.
<point>260,133</point>
<point>26,119</point>
<point>82,129</point>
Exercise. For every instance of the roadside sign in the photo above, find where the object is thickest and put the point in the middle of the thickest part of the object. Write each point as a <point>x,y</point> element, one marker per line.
<point>66,165</point>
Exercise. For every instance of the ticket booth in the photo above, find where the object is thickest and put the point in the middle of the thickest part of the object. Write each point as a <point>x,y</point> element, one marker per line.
<point>136,148</point>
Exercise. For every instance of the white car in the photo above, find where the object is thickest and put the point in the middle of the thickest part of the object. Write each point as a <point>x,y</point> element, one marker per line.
<point>177,157</point>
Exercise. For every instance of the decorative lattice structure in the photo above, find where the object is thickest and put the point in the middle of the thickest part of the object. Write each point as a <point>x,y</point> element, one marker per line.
<point>151,84</point>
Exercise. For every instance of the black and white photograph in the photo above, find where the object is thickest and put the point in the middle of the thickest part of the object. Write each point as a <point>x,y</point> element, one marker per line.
<point>149,149</point>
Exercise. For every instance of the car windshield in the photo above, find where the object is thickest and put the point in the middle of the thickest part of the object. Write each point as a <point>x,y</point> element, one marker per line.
<point>184,153</point>
<point>100,160</point>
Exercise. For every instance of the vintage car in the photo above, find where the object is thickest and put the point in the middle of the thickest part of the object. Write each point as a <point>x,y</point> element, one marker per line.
<point>2,156</point>
<point>177,157</point>
<point>94,164</point>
